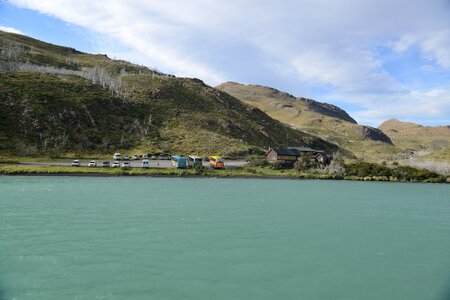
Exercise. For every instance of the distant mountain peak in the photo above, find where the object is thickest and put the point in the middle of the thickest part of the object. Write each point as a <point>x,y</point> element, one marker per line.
<point>316,106</point>
<point>397,125</point>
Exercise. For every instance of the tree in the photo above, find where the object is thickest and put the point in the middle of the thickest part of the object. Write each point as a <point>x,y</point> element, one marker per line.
<point>305,162</point>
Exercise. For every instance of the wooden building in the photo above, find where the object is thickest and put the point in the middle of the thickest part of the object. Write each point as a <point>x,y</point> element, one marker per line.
<point>290,155</point>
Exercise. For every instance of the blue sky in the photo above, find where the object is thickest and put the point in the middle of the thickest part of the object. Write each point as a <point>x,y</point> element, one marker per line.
<point>377,59</point>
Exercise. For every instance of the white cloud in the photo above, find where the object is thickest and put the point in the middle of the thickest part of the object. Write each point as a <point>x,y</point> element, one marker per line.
<point>150,29</point>
<point>335,45</point>
<point>322,67</point>
<point>437,46</point>
<point>10,29</point>
<point>419,105</point>
<point>434,45</point>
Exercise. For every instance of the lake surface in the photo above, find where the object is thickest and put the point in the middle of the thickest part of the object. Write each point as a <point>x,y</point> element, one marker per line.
<point>170,238</point>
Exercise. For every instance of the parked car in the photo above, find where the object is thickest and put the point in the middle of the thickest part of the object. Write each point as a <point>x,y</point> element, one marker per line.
<point>117,156</point>
<point>105,164</point>
<point>145,164</point>
<point>164,156</point>
<point>145,156</point>
<point>178,162</point>
<point>92,163</point>
<point>194,161</point>
<point>116,164</point>
<point>153,156</point>
<point>76,163</point>
<point>136,157</point>
<point>126,164</point>
<point>126,157</point>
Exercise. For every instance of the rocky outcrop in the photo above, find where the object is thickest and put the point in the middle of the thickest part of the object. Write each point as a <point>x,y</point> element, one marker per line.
<point>376,134</point>
<point>328,110</point>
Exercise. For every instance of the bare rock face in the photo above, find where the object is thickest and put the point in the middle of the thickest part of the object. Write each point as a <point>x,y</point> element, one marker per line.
<point>328,110</point>
<point>376,134</point>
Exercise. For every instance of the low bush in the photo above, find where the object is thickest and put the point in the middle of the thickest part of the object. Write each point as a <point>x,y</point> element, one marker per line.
<point>400,173</point>
<point>278,165</point>
<point>305,163</point>
<point>198,170</point>
<point>258,163</point>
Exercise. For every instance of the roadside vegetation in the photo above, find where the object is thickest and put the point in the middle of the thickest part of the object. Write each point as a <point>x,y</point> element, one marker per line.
<point>257,168</point>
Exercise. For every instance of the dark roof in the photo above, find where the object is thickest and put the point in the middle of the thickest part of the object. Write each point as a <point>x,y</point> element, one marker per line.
<point>307,149</point>
<point>286,151</point>
<point>294,151</point>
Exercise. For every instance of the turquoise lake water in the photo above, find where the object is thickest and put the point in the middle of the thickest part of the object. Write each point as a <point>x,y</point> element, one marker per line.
<point>171,238</point>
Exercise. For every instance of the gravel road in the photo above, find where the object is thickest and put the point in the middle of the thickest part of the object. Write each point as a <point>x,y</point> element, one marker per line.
<point>229,164</point>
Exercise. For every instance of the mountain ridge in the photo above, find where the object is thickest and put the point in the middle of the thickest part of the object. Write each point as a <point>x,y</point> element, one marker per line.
<point>320,107</point>
<point>56,99</point>
<point>322,119</point>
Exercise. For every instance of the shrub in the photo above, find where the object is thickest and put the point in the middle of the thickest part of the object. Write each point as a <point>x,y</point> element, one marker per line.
<point>305,163</point>
<point>198,169</point>
<point>299,166</point>
<point>336,167</point>
<point>250,170</point>
<point>364,169</point>
<point>258,163</point>
<point>401,173</point>
<point>278,165</point>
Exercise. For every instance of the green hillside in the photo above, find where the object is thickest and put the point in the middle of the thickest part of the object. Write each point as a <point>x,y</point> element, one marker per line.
<point>325,120</point>
<point>56,100</point>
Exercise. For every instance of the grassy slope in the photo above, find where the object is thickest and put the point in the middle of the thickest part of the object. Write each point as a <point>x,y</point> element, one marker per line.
<point>363,141</point>
<point>57,113</point>
<point>422,139</point>
<point>442,155</point>
<point>44,113</point>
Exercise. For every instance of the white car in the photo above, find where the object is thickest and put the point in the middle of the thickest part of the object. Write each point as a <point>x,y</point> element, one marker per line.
<point>145,156</point>
<point>126,164</point>
<point>92,163</point>
<point>116,164</point>
<point>164,156</point>
<point>76,163</point>
<point>153,156</point>
<point>145,164</point>
<point>117,156</point>
<point>125,157</point>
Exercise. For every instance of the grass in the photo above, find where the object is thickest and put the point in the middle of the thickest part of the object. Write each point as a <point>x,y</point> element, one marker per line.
<point>250,172</point>
<point>61,113</point>
<point>425,139</point>
<point>7,160</point>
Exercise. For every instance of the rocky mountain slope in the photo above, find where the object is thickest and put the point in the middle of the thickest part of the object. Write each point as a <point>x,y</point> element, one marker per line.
<point>322,119</point>
<point>56,99</point>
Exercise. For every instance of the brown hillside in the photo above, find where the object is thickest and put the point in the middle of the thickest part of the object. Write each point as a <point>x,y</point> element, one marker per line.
<point>416,137</point>
<point>325,120</point>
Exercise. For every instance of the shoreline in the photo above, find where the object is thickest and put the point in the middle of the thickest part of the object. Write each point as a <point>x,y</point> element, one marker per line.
<point>6,170</point>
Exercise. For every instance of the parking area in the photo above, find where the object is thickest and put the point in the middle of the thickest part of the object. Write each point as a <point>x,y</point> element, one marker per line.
<point>163,164</point>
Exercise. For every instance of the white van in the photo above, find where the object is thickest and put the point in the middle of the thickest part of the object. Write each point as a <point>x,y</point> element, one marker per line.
<point>145,164</point>
<point>117,156</point>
